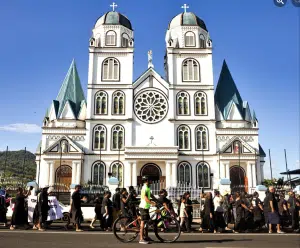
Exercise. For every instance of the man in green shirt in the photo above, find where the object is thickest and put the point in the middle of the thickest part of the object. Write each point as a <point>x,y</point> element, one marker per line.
<point>144,210</point>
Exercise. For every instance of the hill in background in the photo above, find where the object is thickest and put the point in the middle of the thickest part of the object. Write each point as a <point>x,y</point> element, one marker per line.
<point>14,164</point>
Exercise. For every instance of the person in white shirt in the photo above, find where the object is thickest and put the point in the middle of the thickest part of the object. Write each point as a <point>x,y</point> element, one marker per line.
<point>219,219</point>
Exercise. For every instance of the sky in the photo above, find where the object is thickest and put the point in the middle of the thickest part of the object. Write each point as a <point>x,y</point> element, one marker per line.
<point>259,40</point>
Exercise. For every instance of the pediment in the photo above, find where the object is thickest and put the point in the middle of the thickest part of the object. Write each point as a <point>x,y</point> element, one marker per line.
<point>229,148</point>
<point>151,79</point>
<point>234,113</point>
<point>67,112</point>
<point>64,145</point>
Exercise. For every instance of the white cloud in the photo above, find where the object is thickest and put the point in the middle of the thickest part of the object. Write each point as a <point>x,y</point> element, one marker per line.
<point>21,128</point>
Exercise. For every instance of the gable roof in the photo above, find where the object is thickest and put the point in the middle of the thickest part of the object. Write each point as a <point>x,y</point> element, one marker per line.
<point>227,93</point>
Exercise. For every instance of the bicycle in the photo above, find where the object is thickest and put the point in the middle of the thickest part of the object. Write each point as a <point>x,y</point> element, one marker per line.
<point>161,221</point>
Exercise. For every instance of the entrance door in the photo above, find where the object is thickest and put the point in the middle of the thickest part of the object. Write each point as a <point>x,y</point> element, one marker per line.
<point>152,171</point>
<point>237,178</point>
<point>63,177</point>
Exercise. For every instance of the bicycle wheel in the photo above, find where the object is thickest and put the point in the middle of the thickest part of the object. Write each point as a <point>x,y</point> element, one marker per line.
<point>167,229</point>
<point>126,229</point>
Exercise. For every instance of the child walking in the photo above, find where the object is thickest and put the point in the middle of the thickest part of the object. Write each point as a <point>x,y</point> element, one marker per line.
<point>183,214</point>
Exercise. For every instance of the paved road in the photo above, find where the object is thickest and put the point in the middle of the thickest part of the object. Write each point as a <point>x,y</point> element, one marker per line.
<point>94,239</point>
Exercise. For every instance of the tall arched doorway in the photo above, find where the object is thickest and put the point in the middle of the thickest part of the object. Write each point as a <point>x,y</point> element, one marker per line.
<point>152,171</point>
<point>63,176</point>
<point>238,179</point>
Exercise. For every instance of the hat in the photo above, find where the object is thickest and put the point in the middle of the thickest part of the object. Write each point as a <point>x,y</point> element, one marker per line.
<point>46,187</point>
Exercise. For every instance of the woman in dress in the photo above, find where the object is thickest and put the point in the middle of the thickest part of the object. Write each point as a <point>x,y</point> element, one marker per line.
<point>208,214</point>
<point>257,211</point>
<point>19,217</point>
<point>240,213</point>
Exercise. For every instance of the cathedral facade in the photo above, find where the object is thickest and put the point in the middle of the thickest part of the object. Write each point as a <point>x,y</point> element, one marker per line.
<point>178,129</point>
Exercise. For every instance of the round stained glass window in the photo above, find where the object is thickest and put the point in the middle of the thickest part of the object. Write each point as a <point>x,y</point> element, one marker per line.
<point>151,106</point>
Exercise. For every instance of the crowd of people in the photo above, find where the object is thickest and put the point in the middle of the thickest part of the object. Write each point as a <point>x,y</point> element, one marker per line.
<point>239,212</point>
<point>247,213</point>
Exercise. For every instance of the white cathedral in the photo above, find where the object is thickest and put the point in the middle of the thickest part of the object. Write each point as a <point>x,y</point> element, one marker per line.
<point>177,128</point>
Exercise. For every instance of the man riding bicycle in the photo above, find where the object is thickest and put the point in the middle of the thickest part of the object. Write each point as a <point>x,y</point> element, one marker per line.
<point>144,210</point>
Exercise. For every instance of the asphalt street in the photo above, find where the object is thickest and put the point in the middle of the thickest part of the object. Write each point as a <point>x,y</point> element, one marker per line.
<point>95,239</point>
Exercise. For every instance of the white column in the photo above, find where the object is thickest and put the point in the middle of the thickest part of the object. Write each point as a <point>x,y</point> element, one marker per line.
<point>74,170</point>
<point>46,174</point>
<point>254,175</point>
<point>222,170</point>
<point>174,175</point>
<point>52,175</point>
<point>127,174</point>
<point>134,175</point>
<point>249,176</point>
<point>168,175</point>
<point>227,171</point>
<point>78,173</point>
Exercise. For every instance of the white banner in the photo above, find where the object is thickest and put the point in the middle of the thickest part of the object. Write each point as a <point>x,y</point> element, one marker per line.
<point>54,213</point>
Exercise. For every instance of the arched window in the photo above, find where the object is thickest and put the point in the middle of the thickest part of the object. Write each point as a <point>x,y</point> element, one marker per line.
<point>191,70</point>
<point>200,103</point>
<point>110,39</point>
<point>203,175</point>
<point>98,173</point>
<point>184,173</point>
<point>125,40</point>
<point>189,39</point>
<point>202,41</point>
<point>101,103</point>
<point>118,134</point>
<point>99,137</point>
<point>118,103</point>
<point>116,169</point>
<point>110,69</point>
<point>201,134</point>
<point>183,103</point>
<point>183,137</point>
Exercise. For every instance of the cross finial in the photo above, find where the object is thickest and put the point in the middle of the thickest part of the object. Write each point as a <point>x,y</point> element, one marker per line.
<point>151,138</point>
<point>185,6</point>
<point>113,5</point>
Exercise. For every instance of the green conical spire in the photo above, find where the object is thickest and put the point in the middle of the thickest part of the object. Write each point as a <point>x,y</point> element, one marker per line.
<point>227,93</point>
<point>71,91</point>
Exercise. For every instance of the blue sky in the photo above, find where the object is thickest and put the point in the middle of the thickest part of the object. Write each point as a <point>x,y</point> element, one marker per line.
<point>259,41</point>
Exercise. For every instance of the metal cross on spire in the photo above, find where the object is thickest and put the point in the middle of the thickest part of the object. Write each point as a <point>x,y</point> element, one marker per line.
<point>113,5</point>
<point>185,6</point>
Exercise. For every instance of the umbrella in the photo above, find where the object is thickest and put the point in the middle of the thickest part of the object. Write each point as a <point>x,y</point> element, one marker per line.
<point>33,184</point>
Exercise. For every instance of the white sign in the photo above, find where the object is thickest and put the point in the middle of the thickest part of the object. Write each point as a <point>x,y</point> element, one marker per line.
<point>54,213</point>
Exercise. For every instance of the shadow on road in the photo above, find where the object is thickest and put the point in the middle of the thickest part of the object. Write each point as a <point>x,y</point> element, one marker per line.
<point>211,241</point>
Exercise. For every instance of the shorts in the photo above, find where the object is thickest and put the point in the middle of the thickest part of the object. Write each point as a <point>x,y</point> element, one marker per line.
<point>145,216</point>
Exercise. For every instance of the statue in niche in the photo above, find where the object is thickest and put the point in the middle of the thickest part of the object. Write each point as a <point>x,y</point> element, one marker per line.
<point>64,146</point>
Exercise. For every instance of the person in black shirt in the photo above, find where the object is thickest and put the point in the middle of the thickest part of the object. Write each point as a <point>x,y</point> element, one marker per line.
<point>272,208</point>
<point>124,199</point>
<point>116,200</point>
<point>75,211</point>
<point>98,216</point>
<point>257,210</point>
<point>189,211</point>
<point>43,207</point>
<point>208,214</point>
<point>106,211</point>
<point>132,201</point>
<point>240,213</point>
<point>293,211</point>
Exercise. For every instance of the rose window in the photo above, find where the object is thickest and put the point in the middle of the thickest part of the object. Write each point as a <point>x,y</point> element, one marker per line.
<point>150,106</point>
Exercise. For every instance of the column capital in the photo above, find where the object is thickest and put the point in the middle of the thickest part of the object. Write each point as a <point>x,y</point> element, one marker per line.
<point>50,162</point>
<point>225,162</point>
